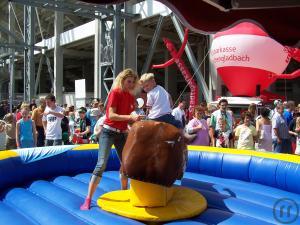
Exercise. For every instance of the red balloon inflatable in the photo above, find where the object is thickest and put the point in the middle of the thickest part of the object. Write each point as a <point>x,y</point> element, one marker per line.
<point>245,56</point>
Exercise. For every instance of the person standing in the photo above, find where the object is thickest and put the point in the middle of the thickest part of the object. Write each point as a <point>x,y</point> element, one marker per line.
<point>246,133</point>
<point>221,113</point>
<point>83,126</point>
<point>101,108</point>
<point>179,113</point>
<point>25,129</point>
<point>18,112</point>
<point>139,103</point>
<point>65,129</point>
<point>252,109</point>
<point>223,138</point>
<point>280,132</point>
<point>93,114</point>
<point>297,133</point>
<point>32,104</point>
<point>4,109</point>
<point>209,111</point>
<point>72,123</point>
<point>120,104</point>
<point>52,117</point>
<point>292,128</point>
<point>10,130</point>
<point>198,126</point>
<point>264,130</point>
<point>273,111</point>
<point>289,112</point>
<point>37,116</point>
<point>97,130</point>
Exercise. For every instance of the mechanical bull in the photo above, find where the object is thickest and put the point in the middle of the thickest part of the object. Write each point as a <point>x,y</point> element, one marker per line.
<point>154,156</point>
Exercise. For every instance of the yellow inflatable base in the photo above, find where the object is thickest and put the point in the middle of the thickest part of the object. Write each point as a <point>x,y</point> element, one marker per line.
<point>185,203</point>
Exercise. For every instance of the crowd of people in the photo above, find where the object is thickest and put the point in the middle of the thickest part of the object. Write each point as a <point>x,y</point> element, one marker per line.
<point>276,129</point>
<point>49,124</point>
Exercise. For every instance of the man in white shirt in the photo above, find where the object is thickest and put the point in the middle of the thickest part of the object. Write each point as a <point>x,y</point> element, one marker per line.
<point>224,114</point>
<point>179,113</point>
<point>52,117</point>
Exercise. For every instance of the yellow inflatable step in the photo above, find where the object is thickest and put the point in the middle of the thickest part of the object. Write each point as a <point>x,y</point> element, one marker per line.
<point>185,203</point>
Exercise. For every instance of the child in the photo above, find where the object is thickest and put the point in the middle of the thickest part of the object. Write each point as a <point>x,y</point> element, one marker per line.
<point>222,137</point>
<point>246,133</point>
<point>97,129</point>
<point>83,126</point>
<point>10,129</point>
<point>158,101</point>
<point>139,103</point>
<point>25,129</point>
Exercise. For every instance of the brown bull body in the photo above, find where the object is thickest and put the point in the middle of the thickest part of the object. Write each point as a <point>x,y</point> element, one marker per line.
<point>154,152</point>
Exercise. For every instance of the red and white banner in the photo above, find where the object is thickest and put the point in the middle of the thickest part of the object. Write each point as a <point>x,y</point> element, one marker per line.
<point>176,58</point>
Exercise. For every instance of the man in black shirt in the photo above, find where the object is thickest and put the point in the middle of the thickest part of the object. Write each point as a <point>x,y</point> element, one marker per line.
<point>65,129</point>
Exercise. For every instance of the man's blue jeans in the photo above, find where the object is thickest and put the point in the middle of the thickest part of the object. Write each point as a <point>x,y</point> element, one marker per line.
<point>284,147</point>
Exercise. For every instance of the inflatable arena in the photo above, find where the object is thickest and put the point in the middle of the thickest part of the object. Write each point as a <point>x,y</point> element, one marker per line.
<point>47,185</point>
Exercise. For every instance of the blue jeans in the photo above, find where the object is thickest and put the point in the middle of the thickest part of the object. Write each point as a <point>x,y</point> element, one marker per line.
<point>169,118</point>
<point>284,147</point>
<point>106,140</point>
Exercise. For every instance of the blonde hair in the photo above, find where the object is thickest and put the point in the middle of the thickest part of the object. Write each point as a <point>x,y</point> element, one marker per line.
<point>211,108</point>
<point>9,118</point>
<point>298,122</point>
<point>146,77</point>
<point>25,106</point>
<point>119,81</point>
<point>42,100</point>
<point>252,106</point>
<point>221,121</point>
